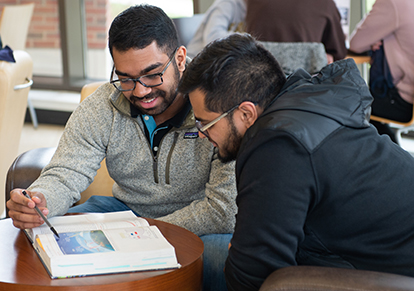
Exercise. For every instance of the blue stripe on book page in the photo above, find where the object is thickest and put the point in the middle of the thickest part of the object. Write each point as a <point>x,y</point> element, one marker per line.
<point>74,265</point>
<point>114,267</point>
<point>144,265</point>
<point>162,258</point>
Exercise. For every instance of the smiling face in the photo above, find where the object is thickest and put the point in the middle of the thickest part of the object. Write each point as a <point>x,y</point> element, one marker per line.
<point>159,101</point>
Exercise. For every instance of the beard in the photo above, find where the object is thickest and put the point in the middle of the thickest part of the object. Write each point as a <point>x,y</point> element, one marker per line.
<point>228,152</point>
<point>168,96</point>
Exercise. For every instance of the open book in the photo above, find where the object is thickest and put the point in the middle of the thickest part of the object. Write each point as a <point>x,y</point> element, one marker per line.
<point>101,243</point>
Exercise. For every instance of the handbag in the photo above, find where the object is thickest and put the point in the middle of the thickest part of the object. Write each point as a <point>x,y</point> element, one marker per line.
<point>380,79</point>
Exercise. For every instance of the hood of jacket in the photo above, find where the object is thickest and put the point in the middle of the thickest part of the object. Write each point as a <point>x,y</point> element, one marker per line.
<point>312,107</point>
<point>337,92</point>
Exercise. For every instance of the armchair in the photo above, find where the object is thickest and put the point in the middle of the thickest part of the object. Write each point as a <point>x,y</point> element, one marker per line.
<point>310,56</point>
<point>400,127</point>
<point>14,25</point>
<point>303,278</point>
<point>15,82</point>
<point>187,27</point>
<point>27,167</point>
<point>14,28</point>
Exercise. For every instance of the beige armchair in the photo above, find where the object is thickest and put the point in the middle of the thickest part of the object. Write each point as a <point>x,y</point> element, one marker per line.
<point>15,82</point>
<point>14,25</point>
<point>14,28</point>
<point>27,167</point>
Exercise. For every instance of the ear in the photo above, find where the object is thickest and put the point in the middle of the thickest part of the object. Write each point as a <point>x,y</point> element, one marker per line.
<point>248,113</point>
<point>180,58</point>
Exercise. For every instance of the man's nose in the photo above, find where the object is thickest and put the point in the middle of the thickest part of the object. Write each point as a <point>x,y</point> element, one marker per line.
<point>140,90</point>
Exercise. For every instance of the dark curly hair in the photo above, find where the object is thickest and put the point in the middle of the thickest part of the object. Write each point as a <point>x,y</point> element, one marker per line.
<point>140,25</point>
<point>232,70</point>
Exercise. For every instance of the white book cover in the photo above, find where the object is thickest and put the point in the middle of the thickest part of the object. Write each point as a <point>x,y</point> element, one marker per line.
<point>100,244</point>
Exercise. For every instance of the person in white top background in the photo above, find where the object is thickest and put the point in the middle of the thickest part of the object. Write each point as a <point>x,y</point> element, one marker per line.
<point>221,19</point>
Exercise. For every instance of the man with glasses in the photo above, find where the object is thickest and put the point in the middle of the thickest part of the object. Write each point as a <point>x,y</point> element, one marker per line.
<point>147,133</point>
<point>316,183</point>
<point>124,84</point>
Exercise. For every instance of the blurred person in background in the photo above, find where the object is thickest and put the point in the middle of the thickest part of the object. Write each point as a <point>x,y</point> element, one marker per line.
<point>388,31</point>
<point>298,21</point>
<point>221,19</point>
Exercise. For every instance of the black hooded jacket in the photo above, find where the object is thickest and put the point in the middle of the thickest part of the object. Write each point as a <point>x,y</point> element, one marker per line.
<point>318,186</point>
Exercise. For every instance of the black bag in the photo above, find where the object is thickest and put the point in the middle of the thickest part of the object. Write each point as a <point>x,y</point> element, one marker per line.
<point>380,79</point>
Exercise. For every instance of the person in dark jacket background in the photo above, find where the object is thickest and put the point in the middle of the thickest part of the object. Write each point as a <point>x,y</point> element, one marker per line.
<point>317,185</point>
<point>298,21</point>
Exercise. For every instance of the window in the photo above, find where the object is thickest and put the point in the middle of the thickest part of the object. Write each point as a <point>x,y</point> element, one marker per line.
<point>74,50</point>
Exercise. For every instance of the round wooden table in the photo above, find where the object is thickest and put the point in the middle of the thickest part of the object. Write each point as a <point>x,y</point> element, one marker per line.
<point>21,269</point>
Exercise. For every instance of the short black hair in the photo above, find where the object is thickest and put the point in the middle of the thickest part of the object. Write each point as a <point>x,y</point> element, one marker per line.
<point>232,70</point>
<point>138,26</point>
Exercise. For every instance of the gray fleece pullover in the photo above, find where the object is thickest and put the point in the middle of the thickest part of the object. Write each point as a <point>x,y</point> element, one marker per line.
<point>185,185</point>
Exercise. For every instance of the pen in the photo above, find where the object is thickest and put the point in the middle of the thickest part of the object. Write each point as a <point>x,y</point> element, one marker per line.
<point>42,216</point>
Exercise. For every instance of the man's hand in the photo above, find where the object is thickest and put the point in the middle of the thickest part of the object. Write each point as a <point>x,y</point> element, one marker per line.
<point>21,209</point>
<point>330,58</point>
<point>376,46</point>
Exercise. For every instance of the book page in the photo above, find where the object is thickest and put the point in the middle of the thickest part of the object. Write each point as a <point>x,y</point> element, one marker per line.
<point>90,221</point>
<point>146,238</point>
<point>133,240</point>
<point>84,242</point>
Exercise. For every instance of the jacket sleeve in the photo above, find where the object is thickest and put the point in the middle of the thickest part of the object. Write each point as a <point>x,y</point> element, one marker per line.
<point>380,22</point>
<point>215,213</point>
<point>81,149</point>
<point>275,181</point>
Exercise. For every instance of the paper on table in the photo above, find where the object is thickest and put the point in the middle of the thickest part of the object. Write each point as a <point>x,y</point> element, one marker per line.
<point>90,221</point>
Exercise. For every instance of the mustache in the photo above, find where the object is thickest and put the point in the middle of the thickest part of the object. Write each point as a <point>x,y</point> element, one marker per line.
<point>149,96</point>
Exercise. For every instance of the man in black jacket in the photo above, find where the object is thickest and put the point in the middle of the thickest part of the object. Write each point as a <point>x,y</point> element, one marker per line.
<point>316,183</point>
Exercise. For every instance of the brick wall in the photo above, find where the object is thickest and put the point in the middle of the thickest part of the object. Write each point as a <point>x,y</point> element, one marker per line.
<point>98,20</point>
<point>44,26</point>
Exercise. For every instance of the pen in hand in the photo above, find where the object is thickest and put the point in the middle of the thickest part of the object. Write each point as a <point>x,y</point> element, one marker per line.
<point>42,216</point>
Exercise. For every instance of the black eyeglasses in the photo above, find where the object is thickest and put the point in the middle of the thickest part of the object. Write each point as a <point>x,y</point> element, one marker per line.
<point>151,80</point>
<point>202,128</point>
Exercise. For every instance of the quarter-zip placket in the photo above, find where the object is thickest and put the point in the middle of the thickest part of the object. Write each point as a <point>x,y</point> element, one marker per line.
<point>155,167</point>
<point>168,162</point>
<point>167,165</point>
<point>154,157</point>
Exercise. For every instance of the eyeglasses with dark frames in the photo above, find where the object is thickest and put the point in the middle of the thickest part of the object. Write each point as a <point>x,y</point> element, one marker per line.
<point>149,81</point>
<point>203,128</point>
